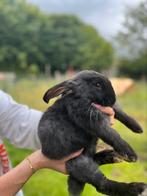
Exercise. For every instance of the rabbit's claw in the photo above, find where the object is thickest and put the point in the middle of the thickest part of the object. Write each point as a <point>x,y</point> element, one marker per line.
<point>127,153</point>
<point>137,189</point>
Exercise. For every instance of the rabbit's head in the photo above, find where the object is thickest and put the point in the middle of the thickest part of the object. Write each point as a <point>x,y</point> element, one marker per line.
<point>97,89</point>
<point>89,85</point>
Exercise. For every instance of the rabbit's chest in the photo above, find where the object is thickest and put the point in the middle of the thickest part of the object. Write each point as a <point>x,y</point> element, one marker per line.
<point>65,138</point>
<point>64,130</point>
<point>60,136</point>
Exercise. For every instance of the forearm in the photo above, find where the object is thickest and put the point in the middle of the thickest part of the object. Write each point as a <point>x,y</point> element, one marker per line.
<point>11,182</point>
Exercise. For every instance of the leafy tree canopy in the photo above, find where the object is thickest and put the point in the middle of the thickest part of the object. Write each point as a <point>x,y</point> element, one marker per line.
<point>132,42</point>
<point>30,38</point>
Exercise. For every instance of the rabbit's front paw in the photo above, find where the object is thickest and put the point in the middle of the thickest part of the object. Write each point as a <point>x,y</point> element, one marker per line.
<point>137,189</point>
<point>127,153</point>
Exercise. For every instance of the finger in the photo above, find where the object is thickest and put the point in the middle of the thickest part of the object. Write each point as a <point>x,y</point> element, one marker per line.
<point>107,110</point>
<point>111,113</point>
<point>112,120</point>
<point>73,155</point>
<point>61,168</point>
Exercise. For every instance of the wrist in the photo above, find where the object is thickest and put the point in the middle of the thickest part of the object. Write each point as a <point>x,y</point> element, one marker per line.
<point>39,161</point>
<point>30,165</point>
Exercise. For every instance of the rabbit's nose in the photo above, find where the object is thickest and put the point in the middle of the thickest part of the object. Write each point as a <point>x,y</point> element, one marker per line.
<point>109,100</point>
<point>112,100</point>
<point>110,97</point>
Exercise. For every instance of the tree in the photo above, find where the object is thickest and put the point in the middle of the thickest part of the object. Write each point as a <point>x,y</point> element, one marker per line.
<point>132,42</point>
<point>30,37</point>
<point>19,28</point>
<point>70,42</point>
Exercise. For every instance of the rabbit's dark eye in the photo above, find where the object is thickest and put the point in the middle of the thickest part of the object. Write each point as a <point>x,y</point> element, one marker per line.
<point>99,86</point>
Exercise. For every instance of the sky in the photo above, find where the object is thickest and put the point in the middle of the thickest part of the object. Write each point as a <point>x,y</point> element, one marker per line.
<point>106,16</point>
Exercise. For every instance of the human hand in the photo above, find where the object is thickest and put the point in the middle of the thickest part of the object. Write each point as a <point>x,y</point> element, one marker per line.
<point>60,165</point>
<point>39,161</point>
<point>107,110</point>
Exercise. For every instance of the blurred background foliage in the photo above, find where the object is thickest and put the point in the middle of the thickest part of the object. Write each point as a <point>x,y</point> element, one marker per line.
<point>32,41</point>
<point>132,42</point>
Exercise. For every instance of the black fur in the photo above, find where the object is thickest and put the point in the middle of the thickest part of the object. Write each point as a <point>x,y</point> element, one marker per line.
<point>74,122</point>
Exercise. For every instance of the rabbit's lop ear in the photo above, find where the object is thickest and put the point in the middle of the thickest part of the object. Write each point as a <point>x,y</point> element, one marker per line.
<point>55,91</point>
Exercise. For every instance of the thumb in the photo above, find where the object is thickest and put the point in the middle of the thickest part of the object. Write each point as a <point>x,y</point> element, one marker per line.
<point>73,155</point>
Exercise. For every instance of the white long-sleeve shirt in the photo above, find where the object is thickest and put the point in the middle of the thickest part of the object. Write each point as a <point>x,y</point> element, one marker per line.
<point>18,123</point>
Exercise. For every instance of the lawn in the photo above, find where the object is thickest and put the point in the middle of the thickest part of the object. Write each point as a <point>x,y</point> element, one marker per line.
<point>47,182</point>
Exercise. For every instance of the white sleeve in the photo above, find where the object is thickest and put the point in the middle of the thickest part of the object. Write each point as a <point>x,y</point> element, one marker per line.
<point>18,123</point>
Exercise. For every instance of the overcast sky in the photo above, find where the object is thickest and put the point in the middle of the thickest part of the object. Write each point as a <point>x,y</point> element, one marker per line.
<point>105,15</point>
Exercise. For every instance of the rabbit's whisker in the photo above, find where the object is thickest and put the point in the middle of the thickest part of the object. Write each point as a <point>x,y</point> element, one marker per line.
<point>91,112</point>
<point>97,115</point>
<point>89,108</point>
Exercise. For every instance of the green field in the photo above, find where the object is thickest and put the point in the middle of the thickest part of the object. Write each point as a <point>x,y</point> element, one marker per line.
<point>50,183</point>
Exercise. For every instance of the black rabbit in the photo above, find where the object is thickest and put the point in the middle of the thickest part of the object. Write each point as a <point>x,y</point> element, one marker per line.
<point>74,122</point>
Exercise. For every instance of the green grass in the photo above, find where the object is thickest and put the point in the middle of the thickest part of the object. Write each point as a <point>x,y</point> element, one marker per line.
<point>47,182</point>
